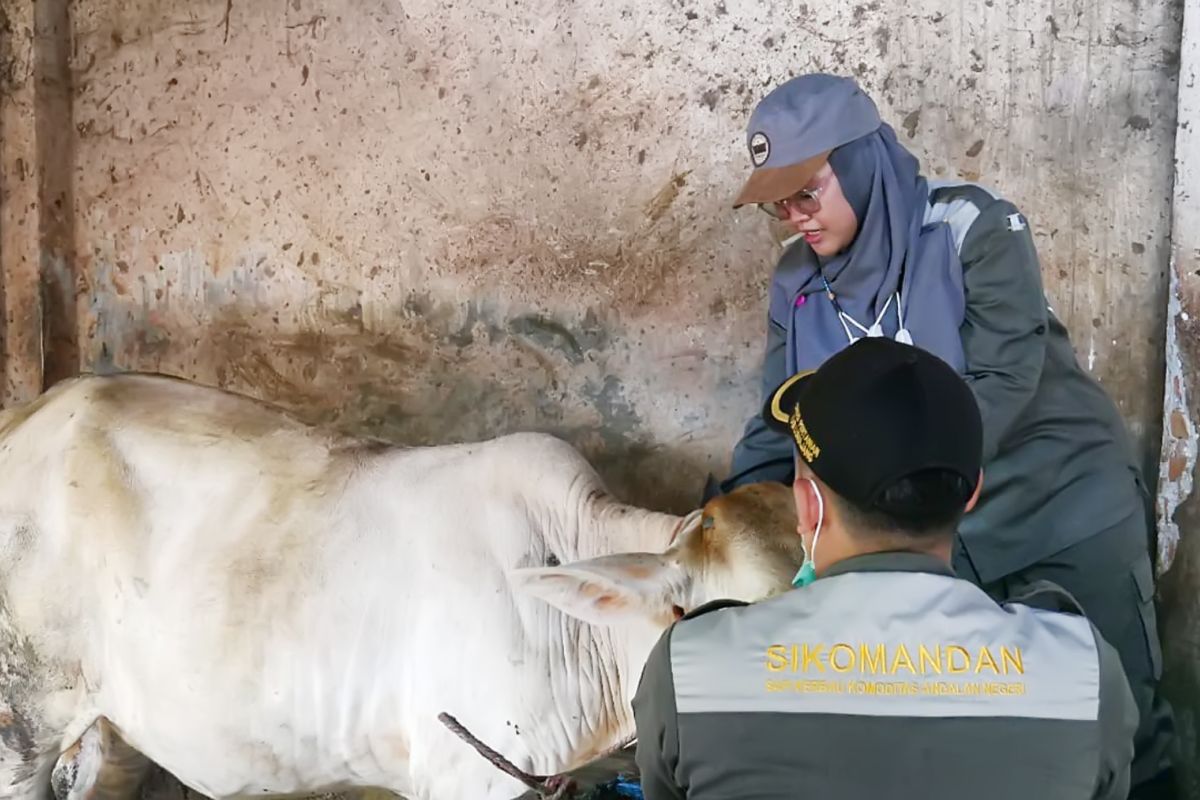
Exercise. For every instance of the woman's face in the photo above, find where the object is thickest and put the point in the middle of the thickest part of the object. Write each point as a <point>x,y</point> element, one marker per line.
<point>829,228</point>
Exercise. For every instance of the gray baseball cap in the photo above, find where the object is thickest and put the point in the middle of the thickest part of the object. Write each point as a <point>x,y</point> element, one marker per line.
<point>794,129</point>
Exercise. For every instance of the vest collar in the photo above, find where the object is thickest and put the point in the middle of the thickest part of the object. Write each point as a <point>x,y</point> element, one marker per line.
<point>890,561</point>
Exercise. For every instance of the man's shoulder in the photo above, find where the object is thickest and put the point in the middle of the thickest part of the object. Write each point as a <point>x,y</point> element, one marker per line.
<point>698,620</point>
<point>717,623</point>
<point>1047,596</point>
<point>711,606</point>
<point>1055,609</point>
<point>1048,605</point>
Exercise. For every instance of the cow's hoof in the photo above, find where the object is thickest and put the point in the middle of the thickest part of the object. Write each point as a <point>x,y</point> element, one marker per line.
<point>75,773</point>
<point>557,787</point>
<point>98,766</point>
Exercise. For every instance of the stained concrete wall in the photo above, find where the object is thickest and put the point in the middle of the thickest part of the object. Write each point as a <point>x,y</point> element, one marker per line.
<point>435,221</point>
<point>1179,505</point>
<point>441,221</point>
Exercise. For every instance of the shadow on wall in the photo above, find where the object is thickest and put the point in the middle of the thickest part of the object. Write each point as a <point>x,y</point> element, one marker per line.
<point>430,381</point>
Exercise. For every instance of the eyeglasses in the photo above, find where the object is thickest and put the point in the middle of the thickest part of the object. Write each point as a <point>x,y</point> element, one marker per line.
<point>805,201</point>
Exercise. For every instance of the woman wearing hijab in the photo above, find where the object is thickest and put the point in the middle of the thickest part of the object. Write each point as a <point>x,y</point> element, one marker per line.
<point>951,268</point>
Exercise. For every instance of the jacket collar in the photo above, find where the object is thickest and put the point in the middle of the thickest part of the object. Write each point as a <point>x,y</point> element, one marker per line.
<point>890,561</point>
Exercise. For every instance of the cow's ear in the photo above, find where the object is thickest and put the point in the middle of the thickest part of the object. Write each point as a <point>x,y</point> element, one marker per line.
<point>608,590</point>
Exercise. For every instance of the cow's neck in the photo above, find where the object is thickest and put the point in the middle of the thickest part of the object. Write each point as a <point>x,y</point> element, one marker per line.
<point>601,678</point>
<point>608,526</point>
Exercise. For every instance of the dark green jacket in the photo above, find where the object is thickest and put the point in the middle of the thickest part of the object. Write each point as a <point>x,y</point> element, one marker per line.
<point>886,677</point>
<point>1058,462</point>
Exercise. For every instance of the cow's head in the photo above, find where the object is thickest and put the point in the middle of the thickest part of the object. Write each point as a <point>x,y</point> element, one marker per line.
<point>741,546</point>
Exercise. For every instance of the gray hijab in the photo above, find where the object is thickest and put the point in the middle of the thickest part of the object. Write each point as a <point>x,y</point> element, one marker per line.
<point>892,250</point>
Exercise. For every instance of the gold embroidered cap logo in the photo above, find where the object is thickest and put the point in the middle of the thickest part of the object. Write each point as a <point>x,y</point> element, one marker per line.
<point>809,449</point>
<point>776,400</point>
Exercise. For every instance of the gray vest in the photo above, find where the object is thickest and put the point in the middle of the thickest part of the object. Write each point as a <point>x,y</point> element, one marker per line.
<point>894,680</point>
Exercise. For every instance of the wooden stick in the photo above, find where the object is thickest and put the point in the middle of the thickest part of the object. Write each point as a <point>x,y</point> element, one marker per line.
<point>554,787</point>
<point>535,782</point>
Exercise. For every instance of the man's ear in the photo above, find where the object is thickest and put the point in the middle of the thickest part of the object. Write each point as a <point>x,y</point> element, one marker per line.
<point>607,590</point>
<point>808,509</point>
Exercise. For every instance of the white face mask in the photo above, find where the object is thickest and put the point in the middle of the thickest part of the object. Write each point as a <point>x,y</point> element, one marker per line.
<point>808,570</point>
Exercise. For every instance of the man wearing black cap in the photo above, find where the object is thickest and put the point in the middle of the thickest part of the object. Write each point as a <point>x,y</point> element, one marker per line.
<point>884,668</point>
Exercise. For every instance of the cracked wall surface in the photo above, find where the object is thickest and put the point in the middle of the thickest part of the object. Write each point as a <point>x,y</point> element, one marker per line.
<point>1179,508</point>
<point>442,221</point>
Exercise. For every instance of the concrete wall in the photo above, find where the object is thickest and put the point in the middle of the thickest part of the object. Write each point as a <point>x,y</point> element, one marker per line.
<point>435,221</point>
<point>1179,507</point>
<point>442,221</point>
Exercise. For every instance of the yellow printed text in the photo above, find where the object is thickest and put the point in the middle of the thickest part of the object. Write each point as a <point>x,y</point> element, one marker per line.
<point>877,658</point>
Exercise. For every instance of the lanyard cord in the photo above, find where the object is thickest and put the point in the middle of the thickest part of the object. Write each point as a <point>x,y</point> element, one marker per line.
<point>843,317</point>
<point>877,328</point>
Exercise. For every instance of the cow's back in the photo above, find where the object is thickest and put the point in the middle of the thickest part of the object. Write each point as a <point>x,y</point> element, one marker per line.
<point>135,485</point>
<point>151,528</point>
<point>95,465</point>
<point>199,556</point>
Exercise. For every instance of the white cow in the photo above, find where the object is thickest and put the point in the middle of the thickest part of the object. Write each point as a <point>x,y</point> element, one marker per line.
<point>261,607</point>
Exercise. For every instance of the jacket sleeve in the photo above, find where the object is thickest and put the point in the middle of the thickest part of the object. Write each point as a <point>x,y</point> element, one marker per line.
<point>1118,724</point>
<point>763,454</point>
<point>657,729</point>
<point>1006,317</point>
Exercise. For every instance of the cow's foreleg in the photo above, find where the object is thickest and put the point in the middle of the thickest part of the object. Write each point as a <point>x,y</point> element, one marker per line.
<point>99,766</point>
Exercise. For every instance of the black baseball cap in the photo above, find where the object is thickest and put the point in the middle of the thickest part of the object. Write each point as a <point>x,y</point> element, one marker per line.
<point>876,412</point>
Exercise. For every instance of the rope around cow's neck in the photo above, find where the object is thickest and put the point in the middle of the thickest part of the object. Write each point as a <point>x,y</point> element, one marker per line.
<point>548,787</point>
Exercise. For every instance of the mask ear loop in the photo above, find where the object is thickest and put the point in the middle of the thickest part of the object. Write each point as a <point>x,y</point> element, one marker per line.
<point>820,519</point>
<point>808,570</point>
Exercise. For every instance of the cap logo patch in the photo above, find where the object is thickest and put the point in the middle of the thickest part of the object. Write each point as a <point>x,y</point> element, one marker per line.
<point>760,148</point>
<point>809,449</point>
<point>777,399</point>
